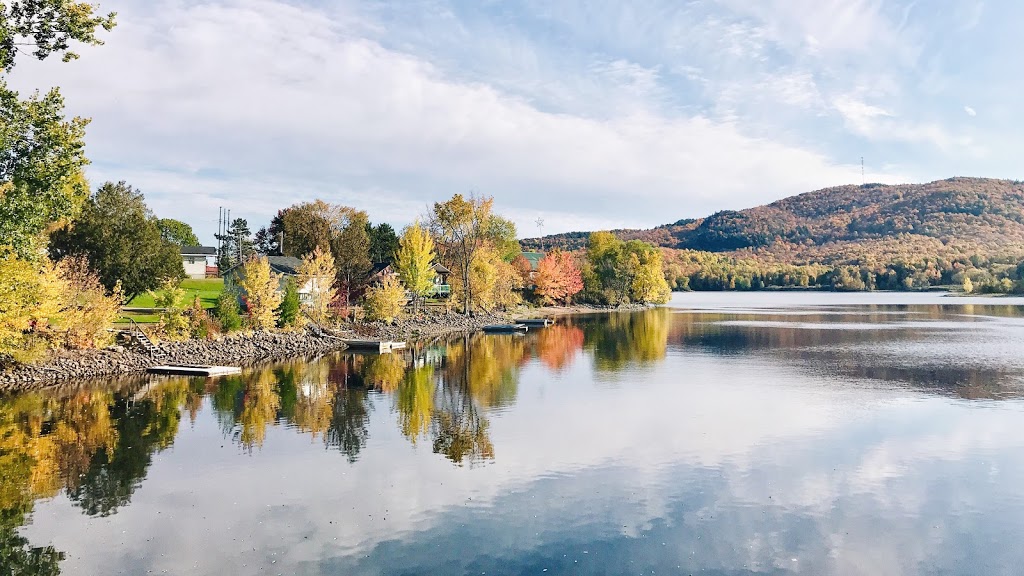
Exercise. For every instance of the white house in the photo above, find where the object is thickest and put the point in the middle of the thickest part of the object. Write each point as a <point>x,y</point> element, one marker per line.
<point>194,259</point>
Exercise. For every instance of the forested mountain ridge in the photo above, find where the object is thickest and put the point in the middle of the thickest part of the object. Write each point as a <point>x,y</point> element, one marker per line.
<point>963,216</point>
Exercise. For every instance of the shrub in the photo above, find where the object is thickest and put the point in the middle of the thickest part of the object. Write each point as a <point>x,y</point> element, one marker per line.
<point>384,301</point>
<point>87,311</point>
<point>202,326</point>
<point>227,311</point>
<point>174,322</point>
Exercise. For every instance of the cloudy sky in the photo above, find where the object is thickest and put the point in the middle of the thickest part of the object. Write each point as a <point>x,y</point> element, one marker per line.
<point>588,114</point>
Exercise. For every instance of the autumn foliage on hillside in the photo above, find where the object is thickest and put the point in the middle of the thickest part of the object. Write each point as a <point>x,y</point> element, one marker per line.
<point>891,237</point>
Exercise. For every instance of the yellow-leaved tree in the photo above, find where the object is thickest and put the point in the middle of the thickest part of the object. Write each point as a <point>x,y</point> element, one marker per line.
<point>415,260</point>
<point>87,311</point>
<point>384,301</point>
<point>317,274</point>
<point>649,285</point>
<point>24,290</point>
<point>495,282</point>
<point>262,293</point>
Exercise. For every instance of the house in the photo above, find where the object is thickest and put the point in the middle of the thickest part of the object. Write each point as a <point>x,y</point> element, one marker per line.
<point>441,288</point>
<point>285,266</point>
<point>194,258</point>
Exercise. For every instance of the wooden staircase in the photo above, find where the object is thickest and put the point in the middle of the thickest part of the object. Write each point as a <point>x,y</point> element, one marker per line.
<point>139,339</point>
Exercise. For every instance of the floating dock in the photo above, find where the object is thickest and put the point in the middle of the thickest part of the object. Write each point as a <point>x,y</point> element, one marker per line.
<point>379,346</point>
<point>532,322</point>
<point>506,328</point>
<point>193,370</point>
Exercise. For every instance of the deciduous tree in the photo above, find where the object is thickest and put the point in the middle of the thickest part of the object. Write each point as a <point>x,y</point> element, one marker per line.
<point>415,259</point>
<point>22,295</point>
<point>461,226</point>
<point>317,273</point>
<point>558,278</point>
<point>177,232</point>
<point>351,248</point>
<point>42,155</point>
<point>45,27</point>
<point>262,294</point>
<point>119,236</point>
<point>87,310</point>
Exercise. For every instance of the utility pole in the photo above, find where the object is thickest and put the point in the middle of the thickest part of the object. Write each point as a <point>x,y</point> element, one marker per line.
<point>540,232</point>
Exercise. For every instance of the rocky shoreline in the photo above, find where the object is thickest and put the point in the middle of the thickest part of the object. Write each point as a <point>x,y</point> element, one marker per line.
<point>235,350</point>
<point>246,349</point>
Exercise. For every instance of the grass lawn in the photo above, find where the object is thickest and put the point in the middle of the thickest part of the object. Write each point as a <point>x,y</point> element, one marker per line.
<point>208,289</point>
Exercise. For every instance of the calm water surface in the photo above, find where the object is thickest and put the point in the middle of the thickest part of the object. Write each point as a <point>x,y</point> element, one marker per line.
<point>727,434</point>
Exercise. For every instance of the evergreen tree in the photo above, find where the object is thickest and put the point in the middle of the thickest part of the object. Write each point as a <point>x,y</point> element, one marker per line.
<point>288,310</point>
<point>383,242</point>
<point>236,244</point>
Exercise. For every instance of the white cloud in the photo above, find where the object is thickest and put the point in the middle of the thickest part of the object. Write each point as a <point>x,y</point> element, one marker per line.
<point>259,104</point>
<point>555,109</point>
<point>970,111</point>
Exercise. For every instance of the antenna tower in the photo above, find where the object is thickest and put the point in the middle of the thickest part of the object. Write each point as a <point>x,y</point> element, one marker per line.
<point>540,232</point>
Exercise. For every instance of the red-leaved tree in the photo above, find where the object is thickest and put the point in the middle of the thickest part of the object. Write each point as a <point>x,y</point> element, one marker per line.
<point>558,278</point>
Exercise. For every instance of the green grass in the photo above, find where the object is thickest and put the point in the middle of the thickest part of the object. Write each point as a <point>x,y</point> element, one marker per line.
<point>122,321</point>
<point>208,289</point>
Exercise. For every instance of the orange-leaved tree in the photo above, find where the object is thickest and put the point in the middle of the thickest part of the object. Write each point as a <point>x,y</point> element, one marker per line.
<point>558,278</point>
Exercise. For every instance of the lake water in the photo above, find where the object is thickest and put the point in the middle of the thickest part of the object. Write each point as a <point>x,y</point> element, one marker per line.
<point>727,434</point>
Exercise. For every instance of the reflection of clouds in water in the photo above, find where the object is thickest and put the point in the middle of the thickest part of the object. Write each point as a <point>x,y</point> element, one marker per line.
<point>717,422</point>
<point>728,518</point>
<point>933,325</point>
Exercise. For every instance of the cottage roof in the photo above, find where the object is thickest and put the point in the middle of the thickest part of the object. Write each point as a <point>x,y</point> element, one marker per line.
<point>287,265</point>
<point>198,251</point>
<point>379,267</point>
<point>440,269</point>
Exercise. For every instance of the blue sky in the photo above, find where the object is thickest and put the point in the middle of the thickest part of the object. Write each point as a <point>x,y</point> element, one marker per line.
<point>588,114</point>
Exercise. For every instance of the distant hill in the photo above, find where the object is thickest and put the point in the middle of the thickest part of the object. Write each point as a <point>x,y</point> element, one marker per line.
<point>961,216</point>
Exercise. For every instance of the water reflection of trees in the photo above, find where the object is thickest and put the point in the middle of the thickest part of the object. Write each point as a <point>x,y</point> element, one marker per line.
<point>623,339</point>
<point>97,444</point>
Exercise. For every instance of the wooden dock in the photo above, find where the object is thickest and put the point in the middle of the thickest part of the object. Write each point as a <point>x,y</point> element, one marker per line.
<point>193,370</point>
<point>379,346</point>
<point>535,322</point>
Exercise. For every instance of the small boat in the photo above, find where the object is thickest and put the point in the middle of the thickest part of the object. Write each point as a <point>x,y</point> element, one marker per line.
<point>505,328</point>
<point>535,321</point>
